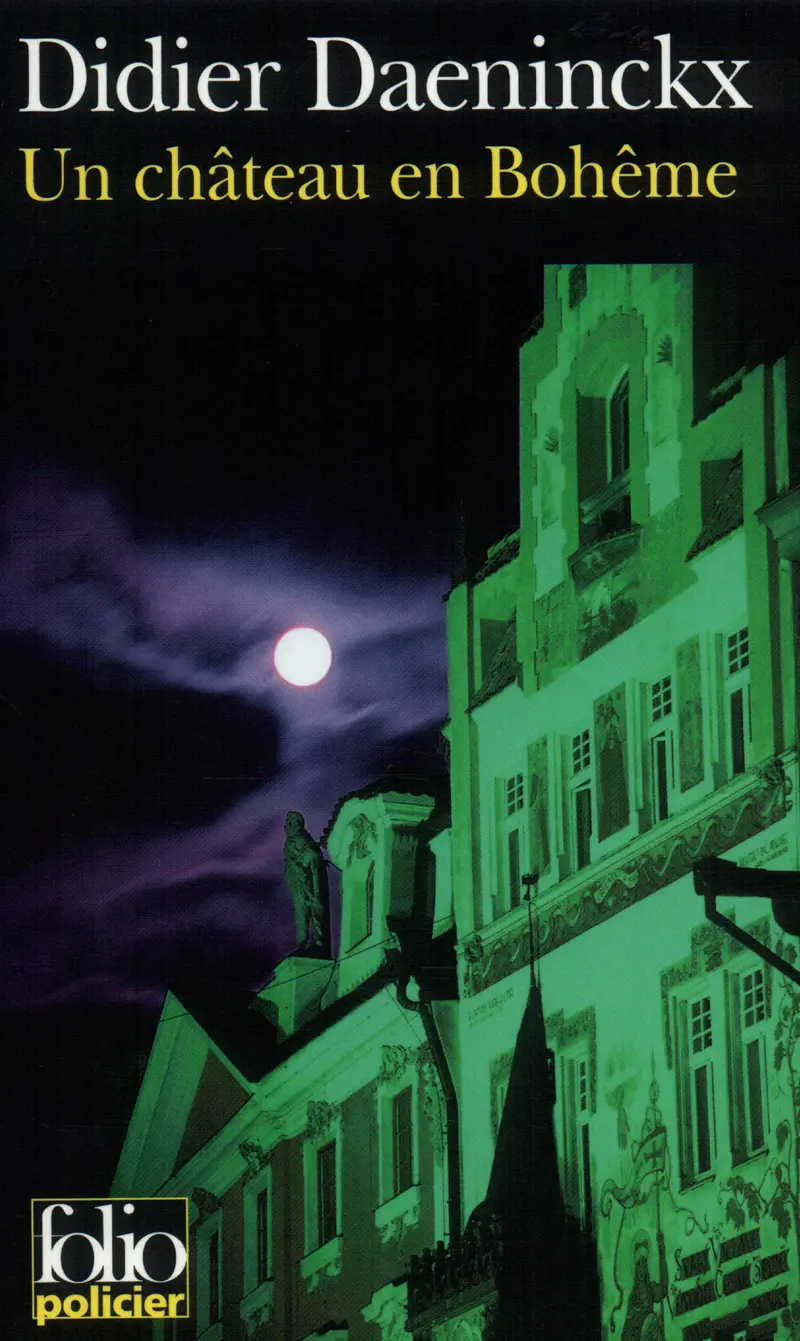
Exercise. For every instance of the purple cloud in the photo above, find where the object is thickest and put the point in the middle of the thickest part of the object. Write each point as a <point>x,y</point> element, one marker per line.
<point>203,617</point>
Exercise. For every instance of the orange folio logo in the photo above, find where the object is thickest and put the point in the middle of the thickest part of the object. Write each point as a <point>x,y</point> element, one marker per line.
<point>117,1258</point>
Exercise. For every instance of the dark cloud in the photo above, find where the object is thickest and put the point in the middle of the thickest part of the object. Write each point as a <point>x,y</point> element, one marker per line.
<point>156,751</point>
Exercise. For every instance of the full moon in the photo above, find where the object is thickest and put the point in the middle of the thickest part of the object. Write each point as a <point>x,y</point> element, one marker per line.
<point>303,657</point>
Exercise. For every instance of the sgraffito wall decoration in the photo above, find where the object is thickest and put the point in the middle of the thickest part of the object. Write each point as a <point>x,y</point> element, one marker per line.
<point>610,735</point>
<point>690,714</point>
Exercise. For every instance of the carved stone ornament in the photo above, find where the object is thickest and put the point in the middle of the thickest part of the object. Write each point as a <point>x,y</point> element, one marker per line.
<point>363,837</point>
<point>472,949</point>
<point>321,1116</point>
<point>256,1308</point>
<point>392,1322</point>
<point>665,859</point>
<point>394,1060</point>
<point>395,1217</point>
<point>551,443</point>
<point>387,1309</point>
<point>433,1105</point>
<point>254,1156</point>
<point>205,1201</point>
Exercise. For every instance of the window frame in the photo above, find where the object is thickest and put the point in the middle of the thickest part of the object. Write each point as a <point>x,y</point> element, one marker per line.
<point>661,728</point>
<point>327,1216</point>
<point>512,800</point>
<point>388,1090</point>
<point>255,1189</point>
<point>743,1037</point>
<point>736,681</point>
<point>402,1161</point>
<point>331,1135</point>
<point>209,1317</point>
<point>398,1207</point>
<point>576,1095</point>
<point>581,780</point>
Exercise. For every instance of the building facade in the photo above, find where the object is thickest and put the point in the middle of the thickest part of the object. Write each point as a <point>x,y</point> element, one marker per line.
<point>538,1047</point>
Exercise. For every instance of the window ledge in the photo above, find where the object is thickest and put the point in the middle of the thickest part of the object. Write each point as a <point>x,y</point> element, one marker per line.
<point>690,1182</point>
<point>400,1213</point>
<point>739,1161</point>
<point>323,1261</point>
<point>256,1307</point>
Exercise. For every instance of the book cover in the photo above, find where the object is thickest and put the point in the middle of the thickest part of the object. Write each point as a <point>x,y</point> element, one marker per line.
<point>398,604</point>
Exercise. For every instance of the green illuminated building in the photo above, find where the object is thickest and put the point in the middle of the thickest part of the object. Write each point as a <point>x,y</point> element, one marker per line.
<point>538,1046</point>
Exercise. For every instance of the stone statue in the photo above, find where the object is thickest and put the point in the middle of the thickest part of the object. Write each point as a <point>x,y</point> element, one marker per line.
<point>306,879</point>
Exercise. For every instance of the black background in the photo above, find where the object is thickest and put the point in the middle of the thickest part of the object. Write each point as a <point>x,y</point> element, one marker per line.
<point>357,360</point>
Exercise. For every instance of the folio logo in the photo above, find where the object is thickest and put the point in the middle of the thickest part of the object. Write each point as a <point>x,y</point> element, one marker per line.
<point>84,1267</point>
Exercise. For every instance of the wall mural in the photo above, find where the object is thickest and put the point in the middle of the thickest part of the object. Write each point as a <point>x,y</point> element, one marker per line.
<point>538,809</point>
<point>639,1273</point>
<point>610,735</point>
<point>690,713</point>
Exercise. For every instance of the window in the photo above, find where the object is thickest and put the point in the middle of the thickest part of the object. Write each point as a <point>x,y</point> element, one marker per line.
<point>738,651</point>
<point>322,1180</point>
<point>397,1095</point>
<point>696,1031</point>
<point>581,801</point>
<point>717,1017</point>
<point>326,1193</point>
<point>577,1151</point>
<point>257,1209</point>
<point>603,427</point>
<point>402,1142</point>
<point>514,794</point>
<point>213,1278</point>
<point>747,997</point>
<point>209,1277</point>
<point>662,758</point>
<point>262,1236</point>
<point>661,698</point>
<point>737,699</point>
<point>509,844</point>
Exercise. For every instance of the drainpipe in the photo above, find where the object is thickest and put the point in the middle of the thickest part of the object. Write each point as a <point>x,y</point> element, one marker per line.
<point>451,1133</point>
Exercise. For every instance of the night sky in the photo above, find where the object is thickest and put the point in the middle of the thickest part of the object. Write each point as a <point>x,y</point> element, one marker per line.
<point>222,420</point>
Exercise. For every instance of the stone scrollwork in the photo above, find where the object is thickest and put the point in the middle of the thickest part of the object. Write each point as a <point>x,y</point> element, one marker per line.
<point>254,1156</point>
<point>256,1310</point>
<point>388,1310</point>
<point>321,1116</point>
<point>394,1061</point>
<point>392,1323</point>
<point>472,949</point>
<point>205,1201</point>
<point>433,1105</point>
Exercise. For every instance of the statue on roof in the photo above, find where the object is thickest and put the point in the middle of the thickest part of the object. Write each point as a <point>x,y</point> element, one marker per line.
<point>306,878</point>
